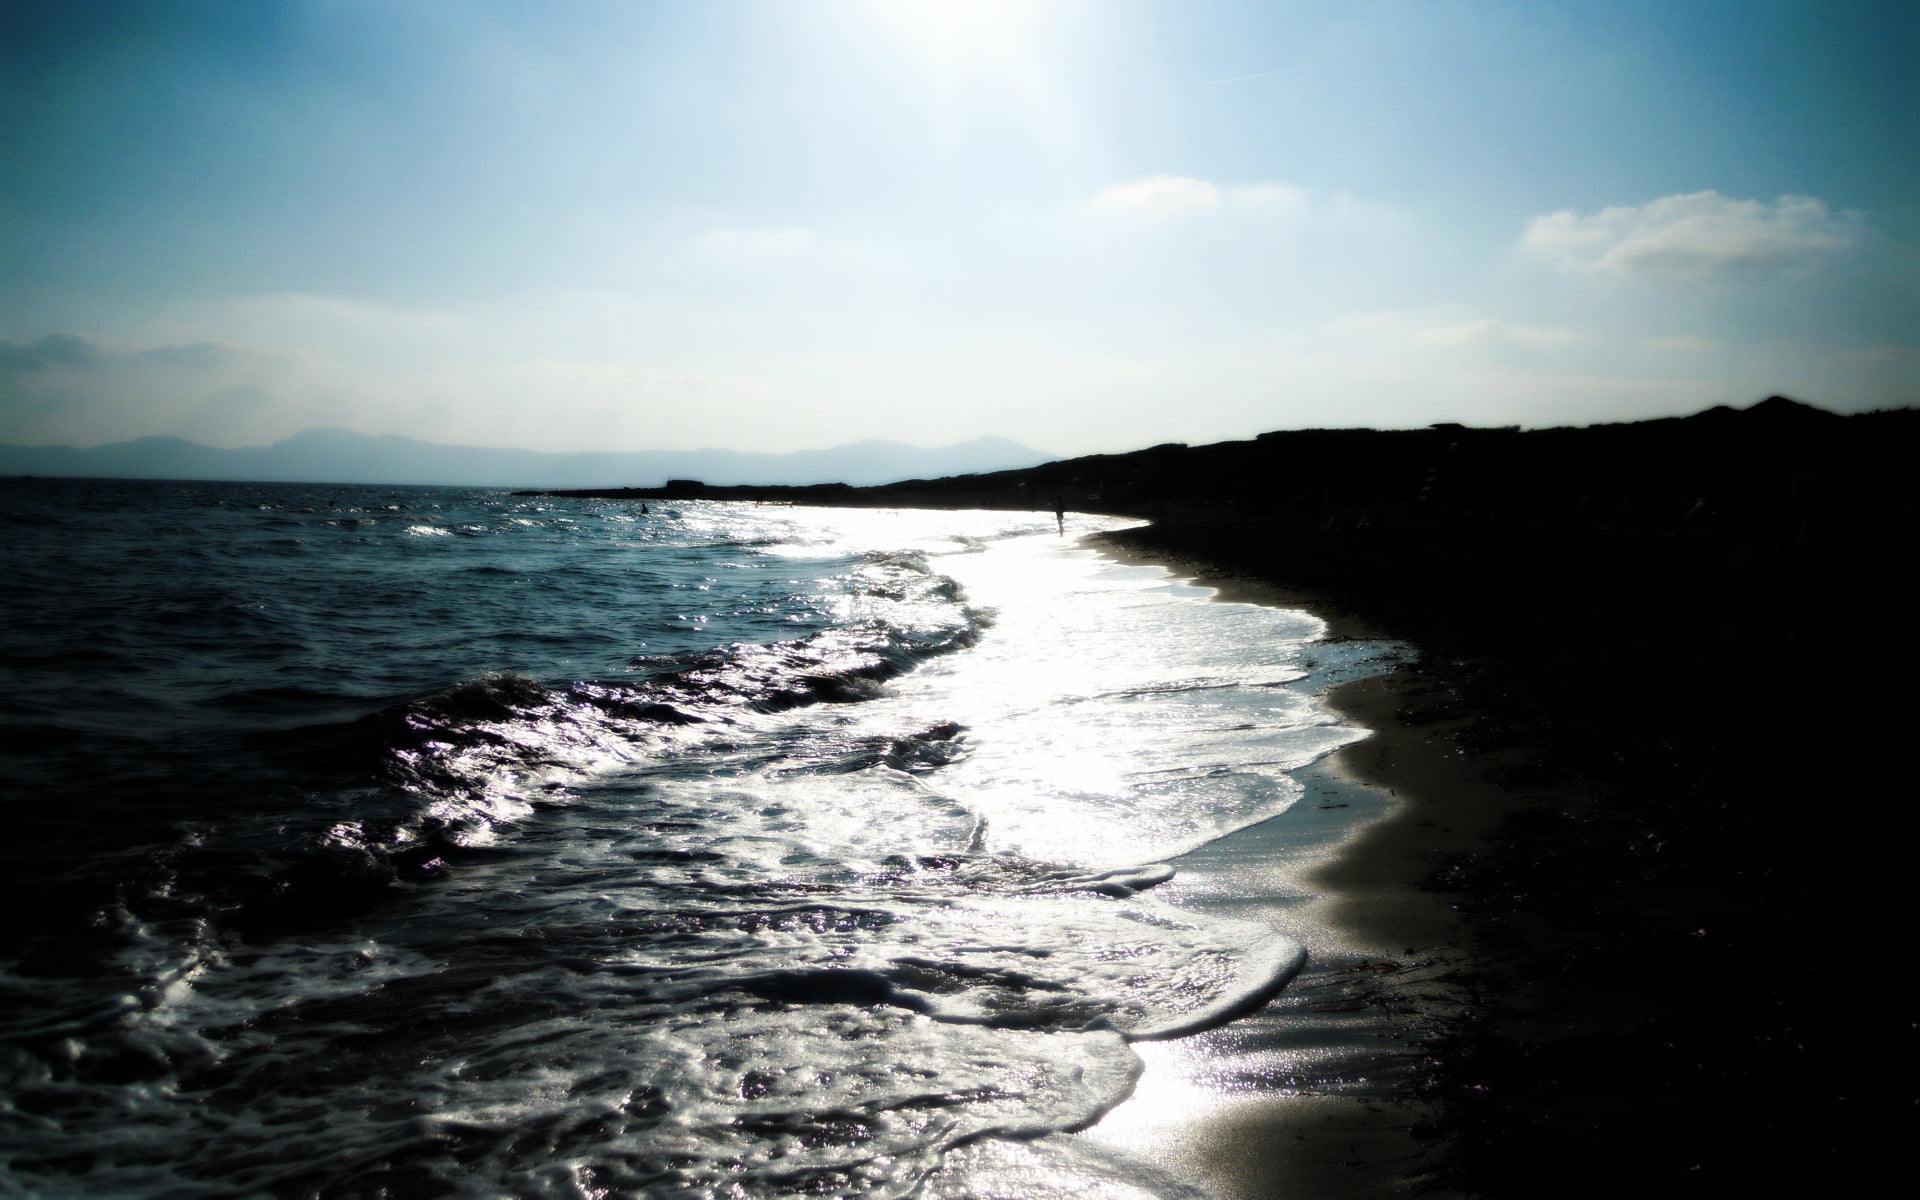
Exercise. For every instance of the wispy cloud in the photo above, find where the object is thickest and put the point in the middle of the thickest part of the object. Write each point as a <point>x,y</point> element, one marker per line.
<point>1170,196</point>
<point>59,352</point>
<point>1161,196</point>
<point>70,387</point>
<point>54,351</point>
<point>1492,332</point>
<point>1282,198</point>
<point>1694,236</point>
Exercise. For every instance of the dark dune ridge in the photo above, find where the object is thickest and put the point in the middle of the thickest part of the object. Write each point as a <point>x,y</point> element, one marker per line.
<point>1681,654</point>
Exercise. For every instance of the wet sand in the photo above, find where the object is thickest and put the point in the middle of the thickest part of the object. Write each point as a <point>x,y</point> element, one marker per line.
<point>1315,1095</point>
<point>1655,845</point>
<point>1640,835</point>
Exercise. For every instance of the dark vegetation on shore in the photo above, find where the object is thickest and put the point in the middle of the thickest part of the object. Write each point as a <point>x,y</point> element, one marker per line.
<point>1685,649</point>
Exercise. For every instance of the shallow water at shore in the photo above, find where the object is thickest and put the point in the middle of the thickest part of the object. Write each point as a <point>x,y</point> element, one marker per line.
<point>451,842</point>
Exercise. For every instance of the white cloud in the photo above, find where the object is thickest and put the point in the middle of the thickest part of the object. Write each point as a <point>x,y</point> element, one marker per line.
<point>1491,332</point>
<point>1696,235</point>
<point>1161,196</point>
<point>1282,198</point>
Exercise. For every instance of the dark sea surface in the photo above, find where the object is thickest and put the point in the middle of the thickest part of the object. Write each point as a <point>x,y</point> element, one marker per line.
<point>421,842</point>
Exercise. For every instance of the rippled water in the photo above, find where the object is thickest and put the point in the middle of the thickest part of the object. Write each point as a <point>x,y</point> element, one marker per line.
<point>422,842</point>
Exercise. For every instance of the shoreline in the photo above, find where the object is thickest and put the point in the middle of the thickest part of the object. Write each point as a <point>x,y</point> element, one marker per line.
<point>1442,802</point>
<point>1385,952</point>
<point>1698,835</point>
<point>1643,810</point>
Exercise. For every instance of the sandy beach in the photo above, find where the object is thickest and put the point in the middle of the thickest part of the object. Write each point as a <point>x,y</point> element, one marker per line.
<point>1628,918</point>
<point>1316,1095</point>
<point>1600,915</point>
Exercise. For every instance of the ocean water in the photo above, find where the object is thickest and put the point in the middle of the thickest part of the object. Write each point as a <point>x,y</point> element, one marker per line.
<point>427,842</point>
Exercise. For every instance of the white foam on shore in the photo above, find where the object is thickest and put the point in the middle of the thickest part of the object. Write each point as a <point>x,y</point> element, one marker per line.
<point>814,946</point>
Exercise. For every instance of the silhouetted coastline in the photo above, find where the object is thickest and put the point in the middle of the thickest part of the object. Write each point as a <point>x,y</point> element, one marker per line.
<point>1673,649</point>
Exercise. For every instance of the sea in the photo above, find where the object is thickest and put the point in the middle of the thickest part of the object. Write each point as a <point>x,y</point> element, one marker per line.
<point>396,842</point>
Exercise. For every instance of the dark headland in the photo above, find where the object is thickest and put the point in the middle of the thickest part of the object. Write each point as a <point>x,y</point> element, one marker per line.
<point>1674,663</point>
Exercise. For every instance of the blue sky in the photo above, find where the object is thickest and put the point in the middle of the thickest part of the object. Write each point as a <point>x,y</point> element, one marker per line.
<point>1083,224</point>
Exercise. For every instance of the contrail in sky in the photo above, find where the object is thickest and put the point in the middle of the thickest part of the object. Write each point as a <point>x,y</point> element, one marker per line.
<point>1259,75</point>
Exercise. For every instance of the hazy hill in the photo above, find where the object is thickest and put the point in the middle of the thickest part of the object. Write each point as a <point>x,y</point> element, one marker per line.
<point>342,456</point>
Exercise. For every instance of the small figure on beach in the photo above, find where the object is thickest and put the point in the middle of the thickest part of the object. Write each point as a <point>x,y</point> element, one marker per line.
<point>1060,514</point>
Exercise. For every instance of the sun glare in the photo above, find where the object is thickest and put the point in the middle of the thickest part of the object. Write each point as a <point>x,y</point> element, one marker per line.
<point>983,61</point>
<point>967,20</point>
<point>957,27</point>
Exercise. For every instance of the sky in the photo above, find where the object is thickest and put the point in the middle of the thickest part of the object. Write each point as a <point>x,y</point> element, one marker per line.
<point>1087,225</point>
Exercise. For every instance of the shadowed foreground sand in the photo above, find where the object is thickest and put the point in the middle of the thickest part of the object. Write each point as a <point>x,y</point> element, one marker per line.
<point>1661,827</point>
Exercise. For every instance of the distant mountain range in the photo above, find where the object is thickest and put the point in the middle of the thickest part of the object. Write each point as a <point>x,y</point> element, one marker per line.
<point>342,456</point>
